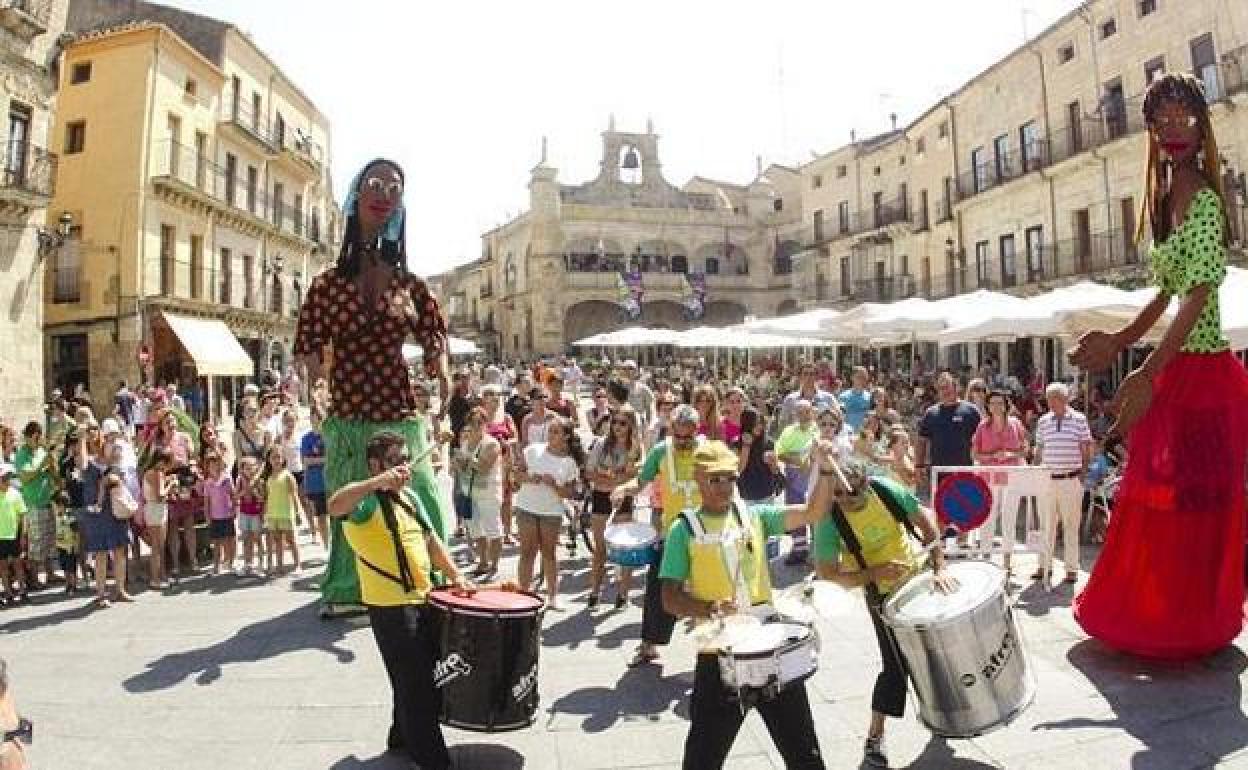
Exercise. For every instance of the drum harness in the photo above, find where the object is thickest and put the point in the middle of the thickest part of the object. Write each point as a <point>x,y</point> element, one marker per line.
<point>734,565</point>
<point>854,546</point>
<point>387,501</point>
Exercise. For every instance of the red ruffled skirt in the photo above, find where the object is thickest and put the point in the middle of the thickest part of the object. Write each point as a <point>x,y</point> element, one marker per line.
<point>1169,582</point>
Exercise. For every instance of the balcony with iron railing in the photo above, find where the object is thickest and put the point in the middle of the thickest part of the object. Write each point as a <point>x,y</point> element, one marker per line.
<point>249,124</point>
<point>27,19</point>
<point>29,173</point>
<point>883,288</point>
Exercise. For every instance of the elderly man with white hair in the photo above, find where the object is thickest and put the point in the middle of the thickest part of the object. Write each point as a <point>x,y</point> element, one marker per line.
<point>1064,445</point>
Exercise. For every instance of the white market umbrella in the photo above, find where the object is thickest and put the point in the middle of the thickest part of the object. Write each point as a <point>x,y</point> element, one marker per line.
<point>458,346</point>
<point>809,324</point>
<point>925,319</point>
<point>1066,311</point>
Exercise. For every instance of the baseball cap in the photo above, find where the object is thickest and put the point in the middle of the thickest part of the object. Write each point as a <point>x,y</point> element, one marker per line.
<point>715,457</point>
<point>110,426</point>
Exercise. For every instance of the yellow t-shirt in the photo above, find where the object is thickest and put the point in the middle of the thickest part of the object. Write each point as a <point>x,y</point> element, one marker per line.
<point>882,537</point>
<point>366,531</point>
<point>677,489</point>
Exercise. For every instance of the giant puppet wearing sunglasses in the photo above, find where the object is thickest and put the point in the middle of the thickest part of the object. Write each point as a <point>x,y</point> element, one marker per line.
<point>357,316</point>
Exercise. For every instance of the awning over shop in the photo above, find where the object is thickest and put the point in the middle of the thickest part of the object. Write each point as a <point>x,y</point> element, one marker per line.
<point>212,346</point>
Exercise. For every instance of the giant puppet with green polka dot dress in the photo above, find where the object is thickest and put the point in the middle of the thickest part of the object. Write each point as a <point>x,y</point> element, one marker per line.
<point>1169,582</point>
<point>355,319</point>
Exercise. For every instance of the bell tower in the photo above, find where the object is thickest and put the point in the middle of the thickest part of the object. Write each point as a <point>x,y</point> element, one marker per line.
<point>631,159</point>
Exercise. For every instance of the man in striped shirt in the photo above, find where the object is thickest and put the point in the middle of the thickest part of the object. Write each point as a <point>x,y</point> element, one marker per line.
<point>1064,444</point>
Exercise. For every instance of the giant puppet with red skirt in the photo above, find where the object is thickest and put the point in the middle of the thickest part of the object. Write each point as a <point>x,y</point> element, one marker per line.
<point>354,321</point>
<point>1169,582</point>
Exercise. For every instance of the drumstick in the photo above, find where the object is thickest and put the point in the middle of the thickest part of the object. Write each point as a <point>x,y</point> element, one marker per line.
<point>412,463</point>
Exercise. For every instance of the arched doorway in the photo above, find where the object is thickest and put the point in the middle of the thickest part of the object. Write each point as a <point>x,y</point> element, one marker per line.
<point>787,307</point>
<point>591,317</point>
<point>723,313</point>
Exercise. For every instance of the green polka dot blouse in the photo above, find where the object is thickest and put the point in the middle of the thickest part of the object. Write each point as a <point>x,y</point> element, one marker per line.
<point>1194,255</point>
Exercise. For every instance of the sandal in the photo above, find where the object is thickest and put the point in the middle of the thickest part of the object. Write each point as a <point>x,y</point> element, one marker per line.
<point>102,602</point>
<point>642,658</point>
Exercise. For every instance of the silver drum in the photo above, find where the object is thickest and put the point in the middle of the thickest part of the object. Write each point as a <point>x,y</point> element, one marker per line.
<point>965,656</point>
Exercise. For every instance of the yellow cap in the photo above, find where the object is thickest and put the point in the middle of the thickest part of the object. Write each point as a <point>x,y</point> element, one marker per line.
<point>715,457</point>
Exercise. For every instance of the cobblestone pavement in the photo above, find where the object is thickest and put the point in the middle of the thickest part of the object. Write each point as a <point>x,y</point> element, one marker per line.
<point>227,672</point>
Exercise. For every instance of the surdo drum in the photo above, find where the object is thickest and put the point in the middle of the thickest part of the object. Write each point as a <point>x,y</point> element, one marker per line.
<point>963,650</point>
<point>487,646</point>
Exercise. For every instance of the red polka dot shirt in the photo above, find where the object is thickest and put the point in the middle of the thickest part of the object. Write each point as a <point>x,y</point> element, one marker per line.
<point>369,378</point>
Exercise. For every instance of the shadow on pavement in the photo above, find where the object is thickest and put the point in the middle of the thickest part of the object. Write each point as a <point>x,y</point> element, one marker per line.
<point>299,629</point>
<point>938,755</point>
<point>581,626</point>
<point>640,692</point>
<point>1037,600</point>
<point>1147,696</point>
<point>466,756</point>
<point>76,612</point>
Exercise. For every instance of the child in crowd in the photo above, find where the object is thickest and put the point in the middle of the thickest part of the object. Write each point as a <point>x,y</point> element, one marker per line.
<point>12,516</point>
<point>312,449</point>
<point>281,509</point>
<point>250,513</point>
<point>66,541</point>
<point>217,489</point>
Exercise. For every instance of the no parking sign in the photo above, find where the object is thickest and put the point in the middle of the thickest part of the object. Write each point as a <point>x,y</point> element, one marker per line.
<point>962,501</point>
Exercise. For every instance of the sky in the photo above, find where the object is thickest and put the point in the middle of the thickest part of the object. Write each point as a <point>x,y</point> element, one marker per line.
<point>461,93</point>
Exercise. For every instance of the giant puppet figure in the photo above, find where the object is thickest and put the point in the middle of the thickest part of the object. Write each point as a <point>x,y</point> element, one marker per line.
<point>1169,582</point>
<point>355,319</point>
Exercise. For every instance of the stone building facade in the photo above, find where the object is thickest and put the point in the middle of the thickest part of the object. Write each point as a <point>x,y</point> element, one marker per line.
<point>551,276</point>
<point>28,38</point>
<point>1027,177</point>
<point>1031,172</point>
<point>197,175</point>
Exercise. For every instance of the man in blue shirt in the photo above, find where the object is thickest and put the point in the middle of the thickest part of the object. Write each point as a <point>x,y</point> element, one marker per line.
<point>807,390</point>
<point>856,400</point>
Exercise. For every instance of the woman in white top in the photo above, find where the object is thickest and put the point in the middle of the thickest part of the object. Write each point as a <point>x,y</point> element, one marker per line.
<point>158,484</point>
<point>535,426</point>
<point>478,468</point>
<point>548,474</point>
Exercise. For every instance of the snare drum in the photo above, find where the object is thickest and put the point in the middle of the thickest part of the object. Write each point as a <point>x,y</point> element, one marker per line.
<point>767,656</point>
<point>965,656</point>
<point>632,544</point>
<point>487,646</point>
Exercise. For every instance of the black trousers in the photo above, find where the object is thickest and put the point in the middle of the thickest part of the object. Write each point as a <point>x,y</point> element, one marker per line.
<point>716,719</point>
<point>406,644</point>
<point>656,624</point>
<point>889,696</point>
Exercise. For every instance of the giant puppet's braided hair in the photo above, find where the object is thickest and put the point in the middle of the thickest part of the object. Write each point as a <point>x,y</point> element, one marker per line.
<point>391,243</point>
<point>1186,90</point>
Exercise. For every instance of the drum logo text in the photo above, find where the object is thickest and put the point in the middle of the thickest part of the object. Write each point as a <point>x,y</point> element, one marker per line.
<point>998,659</point>
<point>523,687</point>
<point>450,667</point>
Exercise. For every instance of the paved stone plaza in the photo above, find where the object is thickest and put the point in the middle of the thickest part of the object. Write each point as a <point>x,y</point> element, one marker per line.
<point>238,673</point>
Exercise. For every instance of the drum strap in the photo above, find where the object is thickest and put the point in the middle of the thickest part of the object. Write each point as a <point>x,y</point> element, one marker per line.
<point>387,502</point>
<point>886,497</point>
<point>855,549</point>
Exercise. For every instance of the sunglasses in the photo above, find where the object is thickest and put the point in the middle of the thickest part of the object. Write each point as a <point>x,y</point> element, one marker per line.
<point>383,188</point>
<point>1164,123</point>
<point>25,732</point>
<point>721,478</point>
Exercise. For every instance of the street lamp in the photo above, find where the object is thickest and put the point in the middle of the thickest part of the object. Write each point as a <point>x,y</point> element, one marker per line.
<point>52,240</point>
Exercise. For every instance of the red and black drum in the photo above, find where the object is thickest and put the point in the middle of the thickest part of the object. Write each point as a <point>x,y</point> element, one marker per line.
<point>487,647</point>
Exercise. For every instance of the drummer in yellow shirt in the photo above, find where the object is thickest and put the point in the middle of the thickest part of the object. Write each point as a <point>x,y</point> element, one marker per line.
<point>396,550</point>
<point>697,584</point>
<point>671,463</point>
<point>887,523</point>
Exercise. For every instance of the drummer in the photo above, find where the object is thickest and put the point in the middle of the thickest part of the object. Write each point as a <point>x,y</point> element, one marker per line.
<point>385,522</point>
<point>671,462</point>
<point>873,511</point>
<point>697,584</point>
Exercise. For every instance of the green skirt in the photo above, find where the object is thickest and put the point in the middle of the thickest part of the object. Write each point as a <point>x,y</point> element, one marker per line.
<point>345,443</point>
